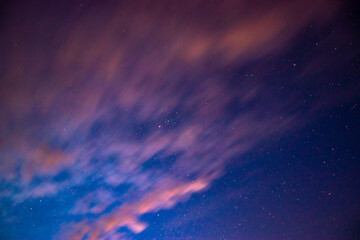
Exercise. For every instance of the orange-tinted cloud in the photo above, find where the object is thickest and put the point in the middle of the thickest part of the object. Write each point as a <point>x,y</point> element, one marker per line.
<point>163,197</point>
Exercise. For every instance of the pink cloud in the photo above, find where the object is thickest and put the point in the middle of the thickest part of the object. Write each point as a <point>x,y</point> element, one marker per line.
<point>163,197</point>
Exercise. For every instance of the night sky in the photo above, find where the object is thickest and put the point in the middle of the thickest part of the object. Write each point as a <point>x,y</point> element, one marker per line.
<point>180,120</point>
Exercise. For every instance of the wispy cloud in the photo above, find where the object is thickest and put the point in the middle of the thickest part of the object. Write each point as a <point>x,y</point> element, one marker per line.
<point>116,91</point>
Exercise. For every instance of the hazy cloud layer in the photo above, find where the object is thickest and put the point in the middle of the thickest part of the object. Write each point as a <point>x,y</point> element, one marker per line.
<point>116,91</point>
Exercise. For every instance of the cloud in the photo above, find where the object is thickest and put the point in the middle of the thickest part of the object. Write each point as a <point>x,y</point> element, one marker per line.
<point>93,203</point>
<point>127,215</point>
<point>136,94</point>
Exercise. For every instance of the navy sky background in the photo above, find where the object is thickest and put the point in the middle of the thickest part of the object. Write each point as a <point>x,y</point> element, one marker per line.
<point>169,120</point>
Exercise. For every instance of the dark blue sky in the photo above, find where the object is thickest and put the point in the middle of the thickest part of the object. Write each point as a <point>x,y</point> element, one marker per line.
<point>204,120</point>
